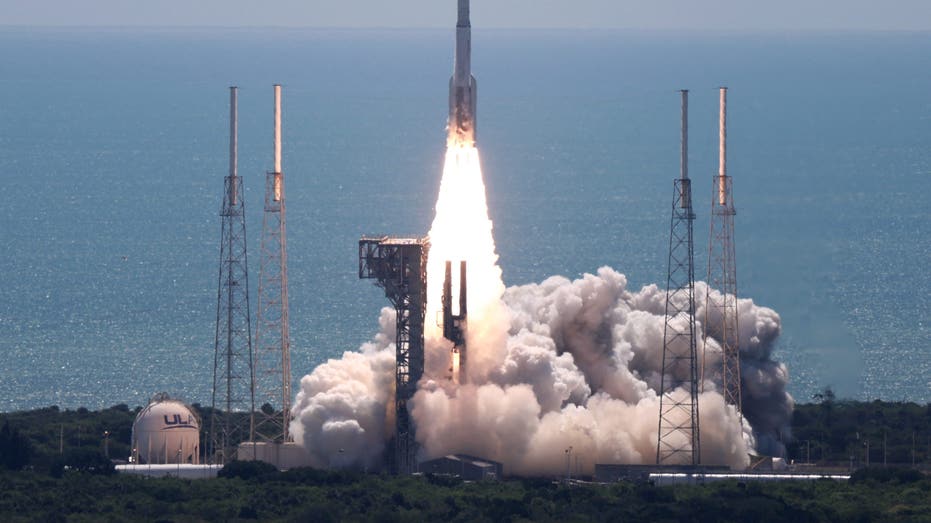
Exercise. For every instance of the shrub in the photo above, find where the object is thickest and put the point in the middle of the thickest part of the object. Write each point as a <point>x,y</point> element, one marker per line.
<point>886,475</point>
<point>15,449</point>
<point>247,470</point>
<point>83,459</point>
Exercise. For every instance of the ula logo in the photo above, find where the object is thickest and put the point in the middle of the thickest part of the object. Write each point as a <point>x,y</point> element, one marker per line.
<point>175,421</point>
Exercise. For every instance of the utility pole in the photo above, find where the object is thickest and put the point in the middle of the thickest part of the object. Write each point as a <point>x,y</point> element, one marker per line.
<point>568,464</point>
<point>884,448</point>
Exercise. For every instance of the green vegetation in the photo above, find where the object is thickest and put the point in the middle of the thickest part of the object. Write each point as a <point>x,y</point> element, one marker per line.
<point>15,449</point>
<point>311,495</point>
<point>57,436</point>
<point>52,467</point>
<point>839,432</point>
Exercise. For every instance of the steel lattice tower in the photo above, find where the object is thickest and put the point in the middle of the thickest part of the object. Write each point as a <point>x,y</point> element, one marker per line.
<point>721,311</point>
<point>678,440</point>
<point>272,338</point>
<point>233,398</point>
<point>400,267</point>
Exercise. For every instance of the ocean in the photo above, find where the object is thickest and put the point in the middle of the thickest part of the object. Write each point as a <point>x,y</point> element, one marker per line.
<point>113,149</point>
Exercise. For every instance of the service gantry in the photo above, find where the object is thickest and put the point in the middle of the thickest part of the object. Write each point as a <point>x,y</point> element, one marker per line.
<point>399,266</point>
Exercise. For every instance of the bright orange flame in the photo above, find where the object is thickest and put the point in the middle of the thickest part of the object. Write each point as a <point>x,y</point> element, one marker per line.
<point>462,231</point>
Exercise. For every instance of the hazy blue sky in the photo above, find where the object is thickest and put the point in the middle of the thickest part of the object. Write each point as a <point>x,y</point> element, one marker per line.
<point>646,14</point>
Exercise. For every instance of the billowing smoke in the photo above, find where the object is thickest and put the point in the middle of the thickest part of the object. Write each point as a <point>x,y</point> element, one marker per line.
<point>582,368</point>
<point>551,365</point>
<point>341,413</point>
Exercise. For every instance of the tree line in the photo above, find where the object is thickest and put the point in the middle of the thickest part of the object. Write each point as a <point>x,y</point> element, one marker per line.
<point>54,467</point>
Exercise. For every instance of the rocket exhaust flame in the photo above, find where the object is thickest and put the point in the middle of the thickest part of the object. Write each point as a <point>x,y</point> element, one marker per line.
<point>462,231</point>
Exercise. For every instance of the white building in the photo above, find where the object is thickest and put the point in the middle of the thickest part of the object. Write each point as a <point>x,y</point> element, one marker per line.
<point>166,432</point>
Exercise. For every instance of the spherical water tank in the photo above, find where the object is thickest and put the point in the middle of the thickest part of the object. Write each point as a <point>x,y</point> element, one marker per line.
<point>166,431</point>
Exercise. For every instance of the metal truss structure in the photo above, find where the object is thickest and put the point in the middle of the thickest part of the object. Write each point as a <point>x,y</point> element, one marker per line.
<point>399,266</point>
<point>232,399</point>
<point>272,336</point>
<point>678,440</point>
<point>721,311</point>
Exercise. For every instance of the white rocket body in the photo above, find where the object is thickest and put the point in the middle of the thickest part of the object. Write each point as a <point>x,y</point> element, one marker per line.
<point>462,88</point>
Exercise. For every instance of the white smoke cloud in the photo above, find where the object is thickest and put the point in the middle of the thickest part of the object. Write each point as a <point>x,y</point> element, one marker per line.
<point>580,367</point>
<point>340,413</point>
<point>766,404</point>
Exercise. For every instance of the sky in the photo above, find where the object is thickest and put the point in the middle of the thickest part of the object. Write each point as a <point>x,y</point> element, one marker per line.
<point>778,15</point>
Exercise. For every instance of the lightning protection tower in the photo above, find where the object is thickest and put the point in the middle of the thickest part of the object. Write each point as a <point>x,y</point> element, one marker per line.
<point>400,267</point>
<point>721,311</point>
<point>233,399</point>
<point>272,338</point>
<point>678,440</point>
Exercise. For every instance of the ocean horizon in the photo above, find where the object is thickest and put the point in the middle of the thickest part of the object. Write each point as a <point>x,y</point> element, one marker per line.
<point>114,142</point>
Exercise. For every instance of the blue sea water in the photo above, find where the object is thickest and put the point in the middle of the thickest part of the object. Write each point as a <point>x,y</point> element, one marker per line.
<point>113,149</point>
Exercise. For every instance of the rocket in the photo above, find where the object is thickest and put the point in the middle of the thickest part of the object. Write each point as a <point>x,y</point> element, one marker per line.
<point>454,324</point>
<point>462,88</point>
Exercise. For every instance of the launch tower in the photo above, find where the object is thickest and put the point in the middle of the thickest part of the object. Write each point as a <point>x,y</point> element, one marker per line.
<point>721,311</point>
<point>233,398</point>
<point>678,441</point>
<point>400,267</point>
<point>272,338</point>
